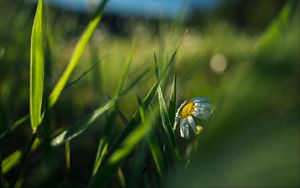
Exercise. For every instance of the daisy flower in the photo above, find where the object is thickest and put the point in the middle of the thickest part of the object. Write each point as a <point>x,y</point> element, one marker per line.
<point>190,112</point>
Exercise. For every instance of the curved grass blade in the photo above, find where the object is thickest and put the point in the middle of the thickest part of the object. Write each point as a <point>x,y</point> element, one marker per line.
<point>13,159</point>
<point>111,157</point>
<point>127,146</point>
<point>19,122</point>
<point>102,148</point>
<point>80,126</point>
<point>138,166</point>
<point>157,157</point>
<point>135,120</point>
<point>166,123</point>
<point>68,156</point>
<point>79,49</point>
<point>36,68</point>
<point>172,103</point>
<point>81,76</point>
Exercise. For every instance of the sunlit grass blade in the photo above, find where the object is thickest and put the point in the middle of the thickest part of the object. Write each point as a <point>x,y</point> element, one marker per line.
<point>79,49</point>
<point>80,126</point>
<point>13,159</point>
<point>36,68</point>
<point>102,148</point>
<point>172,103</point>
<point>118,156</point>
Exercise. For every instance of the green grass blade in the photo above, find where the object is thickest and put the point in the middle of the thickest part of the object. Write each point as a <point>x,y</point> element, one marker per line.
<point>131,140</point>
<point>166,123</point>
<point>172,103</point>
<point>112,113</point>
<point>9,162</point>
<point>13,159</point>
<point>102,148</point>
<point>123,151</point>
<point>80,126</point>
<point>115,154</point>
<point>81,76</point>
<point>79,49</point>
<point>68,156</point>
<point>135,120</point>
<point>138,166</point>
<point>121,177</point>
<point>36,68</point>
<point>157,156</point>
<point>278,25</point>
<point>19,122</point>
<point>125,72</point>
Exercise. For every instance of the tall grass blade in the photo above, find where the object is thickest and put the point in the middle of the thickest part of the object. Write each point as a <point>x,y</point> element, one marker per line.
<point>79,49</point>
<point>157,157</point>
<point>138,166</point>
<point>115,154</point>
<point>68,156</point>
<point>13,159</point>
<point>82,75</point>
<point>9,162</point>
<point>125,72</point>
<point>36,68</point>
<point>279,25</point>
<point>102,148</point>
<point>19,122</point>
<point>123,151</point>
<point>135,120</point>
<point>172,103</point>
<point>121,177</point>
<point>80,126</point>
<point>166,123</point>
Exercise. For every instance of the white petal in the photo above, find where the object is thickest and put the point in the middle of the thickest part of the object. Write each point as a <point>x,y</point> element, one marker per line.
<point>175,123</point>
<point>202,114</point>
<point>198,109</point>
<point>200,99</point>
<point>203,105</point>
<point>192,123</point>
<point>207,106</point>
<point>186,130</point>
<point>182,122</point>
<point>198,104</point>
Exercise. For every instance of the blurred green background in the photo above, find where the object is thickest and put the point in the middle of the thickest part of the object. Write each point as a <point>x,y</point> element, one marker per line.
<point>244,55</point>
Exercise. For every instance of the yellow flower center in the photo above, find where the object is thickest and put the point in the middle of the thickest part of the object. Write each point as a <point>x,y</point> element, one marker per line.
<point>187,110</point>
